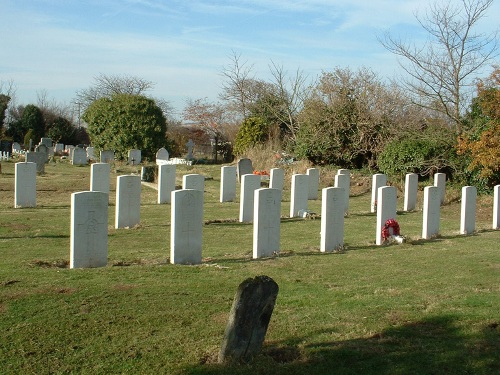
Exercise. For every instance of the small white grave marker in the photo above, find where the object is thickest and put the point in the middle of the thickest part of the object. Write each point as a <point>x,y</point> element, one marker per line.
<point>332,219</point>
<point>468,212</point>
<point>411,188</point>
<point>166,182</point>
<point>162,156</point>
<point>496,207</point>
<point>25,185</point>
<point>386,209</point>
<point>299,194</point>
<point>128,201</point>
<point>313,174</point>
<point>440,182</point>
<point>431,212</point>
<point>193,181</point>
<point>344,181</point>
<point>99,177</point>
<point>276,178</point>
<point>249,183</point>
<point>266,223</point>
<point>378,180</point>
<point>227,184</point>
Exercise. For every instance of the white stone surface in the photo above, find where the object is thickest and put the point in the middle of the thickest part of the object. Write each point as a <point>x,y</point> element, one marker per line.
<point>313,174</point>
<point>244,167</point>
<point>186,226</point>
<point>128,201</point>
<point>25,185</point>
<point>37,158</point>
<point>277,178</point>
<point>227,184</point>
<point>299,194</point>
<point>496,207</point>
<point>16,147</point>
<point>134,157</point>
<point>79,156</point>
<point>431,212</point>
<point>107,156</point>
<point>468,210</point>
<point>249,183</point>
<point>162,156</point>
<point>89,229</point>
<point>440,183</point>
<point>344,171</point>
<point>411,189</point>
<point>386,209</point>
<point>99,177</point>
<point>166,182</point>
<point>344,181</point>
<point>193,181</point>
<point>266,223</point>
<point>378,180</point>
<point>332,218</point>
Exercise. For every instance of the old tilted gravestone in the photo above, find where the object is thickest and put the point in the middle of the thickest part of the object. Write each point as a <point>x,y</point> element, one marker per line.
<point>440,183</point>
<point>249,183</point>
<point>79,156</point>
<point>276,178</point>
<point>227,184</point>
<point>496,207</point>
<point>128,201</point>
<point>266,222</point>
<point>386,209</point>
<point>99,177</point>
<point>249,318</point>
<point>186,219</point>
<point>166,182</point>
<point>411,188</point>
<point>37,158</point>
<point>468,210</point>
<point>89,229</point>
<point>193,181</point>
<point>332,219</point>
<point>299,194</point>
<point>107,156</point>
<point>313,174</point>
<point>378,180</point>
<point>134,157</point>
<point>162,156</point>
<point>244,167</point>
<point>25,185</point>
<point>431,212</point>
<point>344,181</point>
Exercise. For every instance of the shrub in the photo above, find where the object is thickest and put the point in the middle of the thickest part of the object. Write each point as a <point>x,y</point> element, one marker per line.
<point>252,132</point>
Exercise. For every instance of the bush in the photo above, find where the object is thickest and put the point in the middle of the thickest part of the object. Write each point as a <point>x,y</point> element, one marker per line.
<point>252,132</point>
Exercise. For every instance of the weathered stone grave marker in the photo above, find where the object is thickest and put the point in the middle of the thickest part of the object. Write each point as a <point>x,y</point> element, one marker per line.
<point>386,209</point>
<point>299,194</point>
<point>79,156</point>
<point>411,189</point>
<point>162,156</point>
<point>166,182</point>
<point>128,201</point>
<point>431,212</point>
<point>227,184</point>
<point>244,167</point>
<point>193,181</point>
<point>266,222</point>
<point>332,219</point>
<point>440,183</point>
<point>134,157</point>
<point>37,158</point>
<point>344,181</point>
<point>378,180</point>
<point>190,146</point>
<point>276,178</point>
<point>468,210</point>
<point>25,185</point>
<point>99,177</point>
<point>313,174</point>
<point>107,156</point>
<point>249,183</point>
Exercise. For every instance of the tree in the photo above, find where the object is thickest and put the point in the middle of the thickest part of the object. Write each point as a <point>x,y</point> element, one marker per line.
<point>252,131</point>
<point>7,93</point>
<point>4,104</point>
<point>32,119</point>
<point>61,130</point>
<point>125,122</point>
<point>440,72</point>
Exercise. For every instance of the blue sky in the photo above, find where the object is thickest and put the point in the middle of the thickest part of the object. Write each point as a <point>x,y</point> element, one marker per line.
<point>58,46</point>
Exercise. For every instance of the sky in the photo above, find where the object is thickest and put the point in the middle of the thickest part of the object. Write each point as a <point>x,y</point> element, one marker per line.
<point>57,47</point>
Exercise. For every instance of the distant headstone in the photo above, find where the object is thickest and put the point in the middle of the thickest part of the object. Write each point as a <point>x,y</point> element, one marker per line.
<point>186,226</point>
<point>37,158</point>
<point>128,201</point>
<point>344,181</point>
<point>249,183</point>
<point>90,153</point>
<point>313,174</point>
<point>227,184</point>
<point>244,167</point>
<point>193,181</point>
<point>266,222</point>
<point>386,209</point>
<point>190,146</point>
<point>431,212</point>
<point>332,218</point>
<point>378,180</point>
<point>162,156</point>
<point>134,157</point>
<point>107,156</point>
<point>42,149</point>
<point>440,182</point>
<point>46,142</point>
<point>299,194</point>
<point>99,177</point>
<point>16,147</point>
<point>79,156</point>
<point>277,178</point>
<point>166,182</point>
<point>468,211</point>
<point>344,171</point>
<point>89,229</point>
<point>496,207</point>
<point>25,185</point>
<point>249,318</point>
<point>59,148</point>
<point>411,189</point>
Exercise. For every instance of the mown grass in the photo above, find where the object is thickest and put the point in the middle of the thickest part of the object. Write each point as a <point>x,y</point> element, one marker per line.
<point>423,307</point>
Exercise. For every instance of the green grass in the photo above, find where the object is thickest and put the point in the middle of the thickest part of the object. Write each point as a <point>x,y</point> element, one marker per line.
<point>423,307</point>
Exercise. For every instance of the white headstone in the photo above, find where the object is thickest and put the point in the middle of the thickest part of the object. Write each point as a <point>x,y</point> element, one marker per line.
<point>89,229</point>
<point>134,157</point>
<point>190,146</point>
<point>107,156</point>
<point>468,211</point>
<point>386,209</point>
<point>299,194</point>
<point>166,182</point>
<point>16,147</point>
<point>440,182</point>
<point>378,180</point>
<point>79,156</point>
<point>59,148</point>
<point>266,223</point>
<point>162,156</point>
<point>37,158</point>
<point>277,178</point>
<point>431,210</point>
<point>344,181</point>
<point>193,181</point>
<point>249,183</point>
<point>332,218</point>
<point>128,201</point>
<point>90,153</point>
<point>411,189</point>
<point>496,207</point>
<point>186,226</point>
<point>244,167</point>
<point>313,174</point>
<point>25,185</point>
<point>99,177</point>
<point>227,184</point>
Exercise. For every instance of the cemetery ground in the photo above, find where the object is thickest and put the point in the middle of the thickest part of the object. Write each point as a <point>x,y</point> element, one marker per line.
<point>422,307</point>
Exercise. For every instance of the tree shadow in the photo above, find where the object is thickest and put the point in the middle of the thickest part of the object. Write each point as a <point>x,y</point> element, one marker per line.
<point>434,345</point>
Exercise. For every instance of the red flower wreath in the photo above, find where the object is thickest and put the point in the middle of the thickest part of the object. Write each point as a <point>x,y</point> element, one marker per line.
<point>391,223</point>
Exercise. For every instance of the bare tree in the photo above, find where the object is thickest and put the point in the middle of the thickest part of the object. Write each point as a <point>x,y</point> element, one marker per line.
<point>441,71</point>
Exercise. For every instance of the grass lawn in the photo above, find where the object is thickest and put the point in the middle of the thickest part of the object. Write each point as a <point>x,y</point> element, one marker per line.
<point>423,307</point>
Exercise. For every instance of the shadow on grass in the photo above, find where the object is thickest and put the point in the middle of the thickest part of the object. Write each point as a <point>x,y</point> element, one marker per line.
<point>430,346</point>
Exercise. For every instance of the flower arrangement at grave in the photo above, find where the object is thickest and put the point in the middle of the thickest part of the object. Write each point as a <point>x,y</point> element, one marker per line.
<point>391,230</point>
<point>261,173</point>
